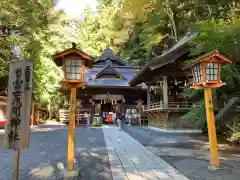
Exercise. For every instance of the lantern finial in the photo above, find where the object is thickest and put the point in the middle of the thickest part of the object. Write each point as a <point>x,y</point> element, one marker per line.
<point>74,45</point>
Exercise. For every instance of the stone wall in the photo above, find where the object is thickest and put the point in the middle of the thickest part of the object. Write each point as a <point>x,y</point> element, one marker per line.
<point>158,119</point>
<point>175,121</point>
<point>167,119</point>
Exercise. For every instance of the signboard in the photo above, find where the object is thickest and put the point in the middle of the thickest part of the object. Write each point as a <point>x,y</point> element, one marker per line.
<point>19,104</point>
<point>107,96</point>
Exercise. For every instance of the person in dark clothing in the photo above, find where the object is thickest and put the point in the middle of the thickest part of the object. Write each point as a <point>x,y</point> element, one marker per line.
<point>118,117</point>
<point>123,119</point>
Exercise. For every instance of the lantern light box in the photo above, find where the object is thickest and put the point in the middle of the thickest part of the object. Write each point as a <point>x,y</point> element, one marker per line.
<point>74,63</point>
<point>206,70</point>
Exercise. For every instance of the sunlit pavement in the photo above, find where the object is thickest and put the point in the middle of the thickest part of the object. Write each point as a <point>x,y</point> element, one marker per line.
<point>130,160</point>
<point>188,153</point>
<point>46,157</point>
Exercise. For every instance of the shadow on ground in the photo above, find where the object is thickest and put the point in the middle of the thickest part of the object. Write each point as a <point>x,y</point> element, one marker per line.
<point>178,154</point>
<point>197,169</point>
<point>46,157</point>
<point>167,140</point>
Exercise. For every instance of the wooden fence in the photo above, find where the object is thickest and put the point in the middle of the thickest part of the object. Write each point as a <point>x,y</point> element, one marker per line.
<point>169,106</point>
<point>64,116</point>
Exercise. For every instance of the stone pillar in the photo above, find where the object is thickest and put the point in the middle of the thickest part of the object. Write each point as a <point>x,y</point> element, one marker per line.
<point>130,121</point>
<point>165,91</point>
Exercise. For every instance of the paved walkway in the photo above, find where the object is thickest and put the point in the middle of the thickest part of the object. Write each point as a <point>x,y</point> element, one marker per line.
<point>46,157</point>
<point>188,153</point>
<point>130,160</point>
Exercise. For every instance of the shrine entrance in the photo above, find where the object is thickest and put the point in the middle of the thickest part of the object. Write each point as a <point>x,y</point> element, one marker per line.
<point>108,107</point>
<point>107,104</point>
<point>107,112</point>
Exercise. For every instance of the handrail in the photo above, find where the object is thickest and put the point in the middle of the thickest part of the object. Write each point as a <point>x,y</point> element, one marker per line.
<point>169,105</point>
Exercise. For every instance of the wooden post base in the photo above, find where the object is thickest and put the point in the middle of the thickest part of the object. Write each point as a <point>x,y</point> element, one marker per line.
<point>211,127</point>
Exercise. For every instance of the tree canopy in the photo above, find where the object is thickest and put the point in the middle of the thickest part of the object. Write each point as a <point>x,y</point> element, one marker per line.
<point>138,30</point>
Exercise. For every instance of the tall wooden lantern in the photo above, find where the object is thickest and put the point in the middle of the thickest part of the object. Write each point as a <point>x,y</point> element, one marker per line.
<point>74,63</point>
<point>206,71</point>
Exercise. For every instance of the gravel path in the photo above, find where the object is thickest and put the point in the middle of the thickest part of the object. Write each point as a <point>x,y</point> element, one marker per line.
<point>47,156</point>
<point>195,169</point>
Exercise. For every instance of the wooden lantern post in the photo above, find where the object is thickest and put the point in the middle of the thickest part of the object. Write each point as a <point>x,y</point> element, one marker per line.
<point>74,62</point>
<point>206,75</point>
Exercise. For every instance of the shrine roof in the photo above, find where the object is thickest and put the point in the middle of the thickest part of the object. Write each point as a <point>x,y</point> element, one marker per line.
<point>110,71</point>
<point>109,55</point>
<point>93,78</point>
<point>179,49</point>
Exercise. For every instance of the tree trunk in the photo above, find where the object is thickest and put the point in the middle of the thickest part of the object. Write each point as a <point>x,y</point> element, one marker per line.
<point>172,18</point>
<point>49,111</point>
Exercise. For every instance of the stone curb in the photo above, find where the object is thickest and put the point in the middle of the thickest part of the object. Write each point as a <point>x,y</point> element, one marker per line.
<point>187,131</point>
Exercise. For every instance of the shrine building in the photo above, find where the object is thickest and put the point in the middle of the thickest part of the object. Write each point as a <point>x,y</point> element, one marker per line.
<point>166,82</point>
<point>107,84</point>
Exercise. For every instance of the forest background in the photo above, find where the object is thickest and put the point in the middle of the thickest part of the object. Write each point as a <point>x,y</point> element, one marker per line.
<point>137,30</point>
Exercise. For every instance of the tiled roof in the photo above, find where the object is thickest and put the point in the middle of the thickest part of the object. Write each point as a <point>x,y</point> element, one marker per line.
<point>108,54</point>
<point>109,64</point>
<point>174,52</point>
<point>91,80</point>
<point>109,70</point>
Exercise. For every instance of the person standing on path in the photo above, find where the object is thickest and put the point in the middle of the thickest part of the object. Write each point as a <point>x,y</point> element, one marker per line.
<point>87,119</point>
<point>123,120</point>
<point>119,118</point>
<point>114,118</point>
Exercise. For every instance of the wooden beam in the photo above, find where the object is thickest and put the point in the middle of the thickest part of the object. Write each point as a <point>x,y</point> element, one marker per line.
<point>71,135</point>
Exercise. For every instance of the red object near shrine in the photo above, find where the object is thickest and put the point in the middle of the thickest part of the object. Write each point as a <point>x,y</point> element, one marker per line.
<point>2,120</point>
<point>109,118</point>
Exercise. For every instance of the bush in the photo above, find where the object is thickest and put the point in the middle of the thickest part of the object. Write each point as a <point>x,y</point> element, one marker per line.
<point>96,123</point>
<point>234,134</point>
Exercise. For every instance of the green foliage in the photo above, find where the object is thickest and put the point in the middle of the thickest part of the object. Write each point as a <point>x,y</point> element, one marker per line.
<point>221,34</point>
<point>197,114</point>
<point>138,30</point>
<point>101,30</point>
<point>27,17</point>
<point>234,130</point>
<point>4,56</point>
<point>44,31</point>
<point>217,22</point>
<point>96,123</point>
<point>191,93</point>
<point>170,20</point>
<point>40,48</point>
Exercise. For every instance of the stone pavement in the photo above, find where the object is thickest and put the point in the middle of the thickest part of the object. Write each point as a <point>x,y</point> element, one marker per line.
<point>130,160</point>
<point>46,157</point>
<point>187,153</point>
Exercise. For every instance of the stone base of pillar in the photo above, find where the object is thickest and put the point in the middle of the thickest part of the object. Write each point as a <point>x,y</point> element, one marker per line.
<point>130,122</point>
